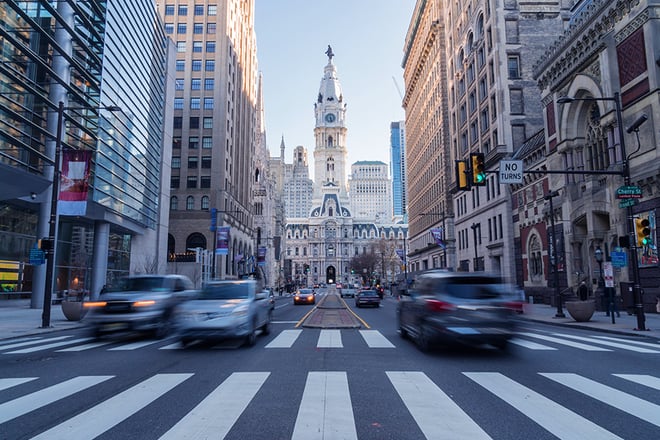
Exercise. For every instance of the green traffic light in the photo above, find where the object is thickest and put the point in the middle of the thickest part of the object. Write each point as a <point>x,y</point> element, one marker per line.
<point>481,177</point>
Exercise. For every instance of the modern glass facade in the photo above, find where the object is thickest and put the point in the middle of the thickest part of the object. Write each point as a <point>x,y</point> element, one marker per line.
<point>91,56</point>
<point>398,161</point>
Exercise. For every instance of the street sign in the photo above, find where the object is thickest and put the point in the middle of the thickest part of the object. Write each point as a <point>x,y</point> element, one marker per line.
<point>619,258</point>
<point>511,171</point>
<point>608,274</point>
<point>629,192</point>
<point>37,257</point>
<point>625,203</point>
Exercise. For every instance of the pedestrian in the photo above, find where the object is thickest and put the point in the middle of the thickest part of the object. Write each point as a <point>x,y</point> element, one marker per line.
<point>583,291</point>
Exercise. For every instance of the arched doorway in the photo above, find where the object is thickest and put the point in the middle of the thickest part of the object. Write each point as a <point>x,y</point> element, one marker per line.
<point>331,275</point>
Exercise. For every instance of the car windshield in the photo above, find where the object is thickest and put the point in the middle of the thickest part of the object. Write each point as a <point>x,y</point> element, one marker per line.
<point>225,291</point>
<point>475,287</point>
<point>306,291</point>
<point>145,284</point>
<point>368,293</point>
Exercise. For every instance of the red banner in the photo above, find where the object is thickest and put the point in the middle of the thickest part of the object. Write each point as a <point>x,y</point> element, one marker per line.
<point>74,182</point>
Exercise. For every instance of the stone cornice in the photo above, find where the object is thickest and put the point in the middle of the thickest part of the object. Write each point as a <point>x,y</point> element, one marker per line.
<point>581,41</point>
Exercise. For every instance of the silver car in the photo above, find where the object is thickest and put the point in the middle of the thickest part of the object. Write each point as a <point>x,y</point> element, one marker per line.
<point>139,303</point>
<point>454,307</point>
<point>225,310</point>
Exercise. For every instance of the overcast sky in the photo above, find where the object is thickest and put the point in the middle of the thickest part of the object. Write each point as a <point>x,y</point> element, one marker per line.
<point>367,38</point>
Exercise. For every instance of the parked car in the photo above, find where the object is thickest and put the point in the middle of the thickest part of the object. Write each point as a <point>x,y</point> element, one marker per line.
<point>367,297</point>
<point>450,307</point>
<point>225,310</point>
<point>304,296</point>
<point>139,303</point>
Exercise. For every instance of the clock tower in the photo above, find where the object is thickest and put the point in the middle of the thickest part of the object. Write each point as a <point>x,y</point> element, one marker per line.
<point>330,133</point>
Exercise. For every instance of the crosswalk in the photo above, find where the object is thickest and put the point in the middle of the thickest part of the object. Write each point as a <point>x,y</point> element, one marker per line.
<point>326,410</point>
<point>331,339</point>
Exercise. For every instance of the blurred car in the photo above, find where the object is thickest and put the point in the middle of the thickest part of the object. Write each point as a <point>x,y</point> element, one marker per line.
<point>225,310</point>
<point>367,297</point>
<point>450,307</point>
<point>140,303</point>
<point>304,296</point>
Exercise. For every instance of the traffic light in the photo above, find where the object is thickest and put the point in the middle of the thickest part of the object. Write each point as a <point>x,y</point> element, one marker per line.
<point>478,169</point>
<point>643,230</point>
<point>462,183</point>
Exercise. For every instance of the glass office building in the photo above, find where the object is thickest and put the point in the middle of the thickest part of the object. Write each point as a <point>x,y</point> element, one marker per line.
<point>107,62</point>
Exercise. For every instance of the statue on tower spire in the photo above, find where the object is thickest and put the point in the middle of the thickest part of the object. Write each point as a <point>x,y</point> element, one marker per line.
<point>329,53</point>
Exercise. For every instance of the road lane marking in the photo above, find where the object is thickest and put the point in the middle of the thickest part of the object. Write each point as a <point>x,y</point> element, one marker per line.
<point>23,405</point>
<point>563,342</point>
<point>642,379</point>
<point>325,411</point>
<point>630,341</point>
<point>436,414</point>
<point>284,339</point>
<point>85,346</point>
<point>329,339</point>
<point>23,343</point>
<point>9,382</point>
<point>647,411</point>
<point>48,346</point>
<point>98,419</point>
<point>529,344</point>
<point>560,421</point>
<point>132,346</point>
<point>214,416</point>
<point>375,339</point>
<point>609,343</point>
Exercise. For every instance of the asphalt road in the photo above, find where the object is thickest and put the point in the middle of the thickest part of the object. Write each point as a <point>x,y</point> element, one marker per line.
<point>312,383</point>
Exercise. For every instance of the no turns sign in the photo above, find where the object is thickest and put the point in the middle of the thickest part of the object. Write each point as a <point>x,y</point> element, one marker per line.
<point>511,171</point>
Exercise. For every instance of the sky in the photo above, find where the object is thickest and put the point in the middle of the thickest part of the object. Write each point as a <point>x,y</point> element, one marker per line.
<point>367,38</point>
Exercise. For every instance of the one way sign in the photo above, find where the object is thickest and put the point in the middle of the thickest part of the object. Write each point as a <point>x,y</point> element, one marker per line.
<point>511,171</point>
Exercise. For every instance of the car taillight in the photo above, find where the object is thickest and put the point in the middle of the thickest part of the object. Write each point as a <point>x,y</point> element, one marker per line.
<point>90,304</point>
<point>515,306</point>
<point>145,303</point>
<point>435,305</point>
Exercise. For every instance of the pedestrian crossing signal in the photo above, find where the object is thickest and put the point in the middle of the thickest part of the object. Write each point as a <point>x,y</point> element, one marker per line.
<point>478,169</point>
<point>643,229</point>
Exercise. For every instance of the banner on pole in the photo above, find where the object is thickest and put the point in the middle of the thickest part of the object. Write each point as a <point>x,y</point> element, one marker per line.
<point>222,242</point>
<point>438,236</point>
<point>74,182</point>
<point>261,256</point>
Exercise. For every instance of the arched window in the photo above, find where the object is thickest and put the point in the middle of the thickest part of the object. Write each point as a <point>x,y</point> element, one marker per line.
<point>171,244</point>
<point>190,203</point>
<point>534,259</point>
<point>196,240</point>
<point>174,203</point>
<point>205,203</point>
<point>330,141</point>
<point>256,175</point>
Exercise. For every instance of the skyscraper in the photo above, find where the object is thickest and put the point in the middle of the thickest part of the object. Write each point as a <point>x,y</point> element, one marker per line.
<point>398,167</point>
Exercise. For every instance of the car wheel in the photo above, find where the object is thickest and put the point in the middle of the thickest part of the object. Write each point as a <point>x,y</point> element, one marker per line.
<point>424,338</point>
<point>251,338</point>
<point>265,329</point>
<point>163,328</point>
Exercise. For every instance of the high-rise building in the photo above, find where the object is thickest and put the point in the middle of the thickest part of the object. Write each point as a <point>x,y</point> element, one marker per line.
<point>371,191</point>
<point>298,187</point>
<point>398,167</point>
<point>214,130</point>
<point>110,74</point>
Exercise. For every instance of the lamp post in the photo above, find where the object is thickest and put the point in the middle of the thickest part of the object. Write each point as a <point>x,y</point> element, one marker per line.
<point>52,222</point>
<point>630,223</point>
<point>555,266</point>
<point>474,227</point>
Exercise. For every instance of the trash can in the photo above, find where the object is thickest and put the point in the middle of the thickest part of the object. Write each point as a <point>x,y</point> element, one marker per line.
<point>627,297</point>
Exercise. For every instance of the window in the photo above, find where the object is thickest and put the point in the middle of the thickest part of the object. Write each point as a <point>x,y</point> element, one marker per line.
<point>208,103</point>
<point>190,203</point>
<point>210,28</point>
<point>176,162</point>
<point>178,84</point>
<point>196,65</point>
<point>208,122</point>
<point>195,84</point>
<point>181,28</point>
<point>191,182</point>
<point>178,103</point>
<point>210,65</point>
<point>212,10</point>
<point>205,201</point>
<point>194,122</point>
<point>513,65</point>
<point>207,142</point>
<point>180,65</point>
<point>174,203</point>
<point>193,161</point>
<point>209,83</point>
<point>205,182</point>
<point>210,46</point>
<point>169,9</point>
<point>206,162</point>
<point>176,142</point>
<point>199,9</point>
<point>178,122</point>
<point>194,103</point>
<point>193,142</point>
<point>183,9</point>
<point>197,46</point>
<point>169,28</point>
<point>180,46</point>
<point>174,182</point>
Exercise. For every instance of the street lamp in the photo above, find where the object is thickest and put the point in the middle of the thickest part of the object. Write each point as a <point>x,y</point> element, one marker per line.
<point>555,266</point>
<point>52,222</point>
<point>630,225</point>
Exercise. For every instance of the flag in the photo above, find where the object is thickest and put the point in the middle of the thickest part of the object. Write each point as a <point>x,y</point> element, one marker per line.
<point>438,236</point>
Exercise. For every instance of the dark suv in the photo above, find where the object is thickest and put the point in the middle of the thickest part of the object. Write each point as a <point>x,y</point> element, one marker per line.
<point>141,303</point>
<point>454,307</point>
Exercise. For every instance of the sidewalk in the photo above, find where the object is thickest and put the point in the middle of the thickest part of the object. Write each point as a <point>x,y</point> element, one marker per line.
<point>18,319</point>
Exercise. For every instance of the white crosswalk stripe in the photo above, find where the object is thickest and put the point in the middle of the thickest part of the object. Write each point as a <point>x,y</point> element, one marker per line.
<point>325,410</point>
<point>375,339</point>
<point>563,342</point>
<point>49,346</point>
<point>609,343</point>
<point>531,345</point>
<point>30,341</point>
<point>330,339</point>
<point>285,339</point>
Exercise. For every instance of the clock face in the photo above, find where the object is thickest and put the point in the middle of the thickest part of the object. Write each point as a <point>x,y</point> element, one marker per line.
<point>330,117</point>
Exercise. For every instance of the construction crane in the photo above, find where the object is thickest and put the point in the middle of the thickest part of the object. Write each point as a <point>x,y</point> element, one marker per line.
<point>397,87</point>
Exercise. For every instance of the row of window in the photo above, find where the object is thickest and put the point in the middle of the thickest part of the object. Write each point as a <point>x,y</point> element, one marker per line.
<point>195,65</point>
<point>191,182</point>
<point>198,28</point>
<point>193,162</point>
<point>195,103</point>
<point>193,142</point>
<point>195,84</point>
<point>193,124</point>
<point>190,203</point>
<point>182,10</point>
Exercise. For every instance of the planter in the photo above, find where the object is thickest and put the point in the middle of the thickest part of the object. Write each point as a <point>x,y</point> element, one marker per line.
<point>73,310</point>
<point>581,311</point>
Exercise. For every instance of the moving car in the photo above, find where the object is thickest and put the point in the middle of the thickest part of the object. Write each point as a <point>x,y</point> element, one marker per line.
<point>347,290</point>
<point>304,296</point>
<point>140,303</point>
<point>451,307</point>
<point>225,310</point>
<point>367,297</point>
